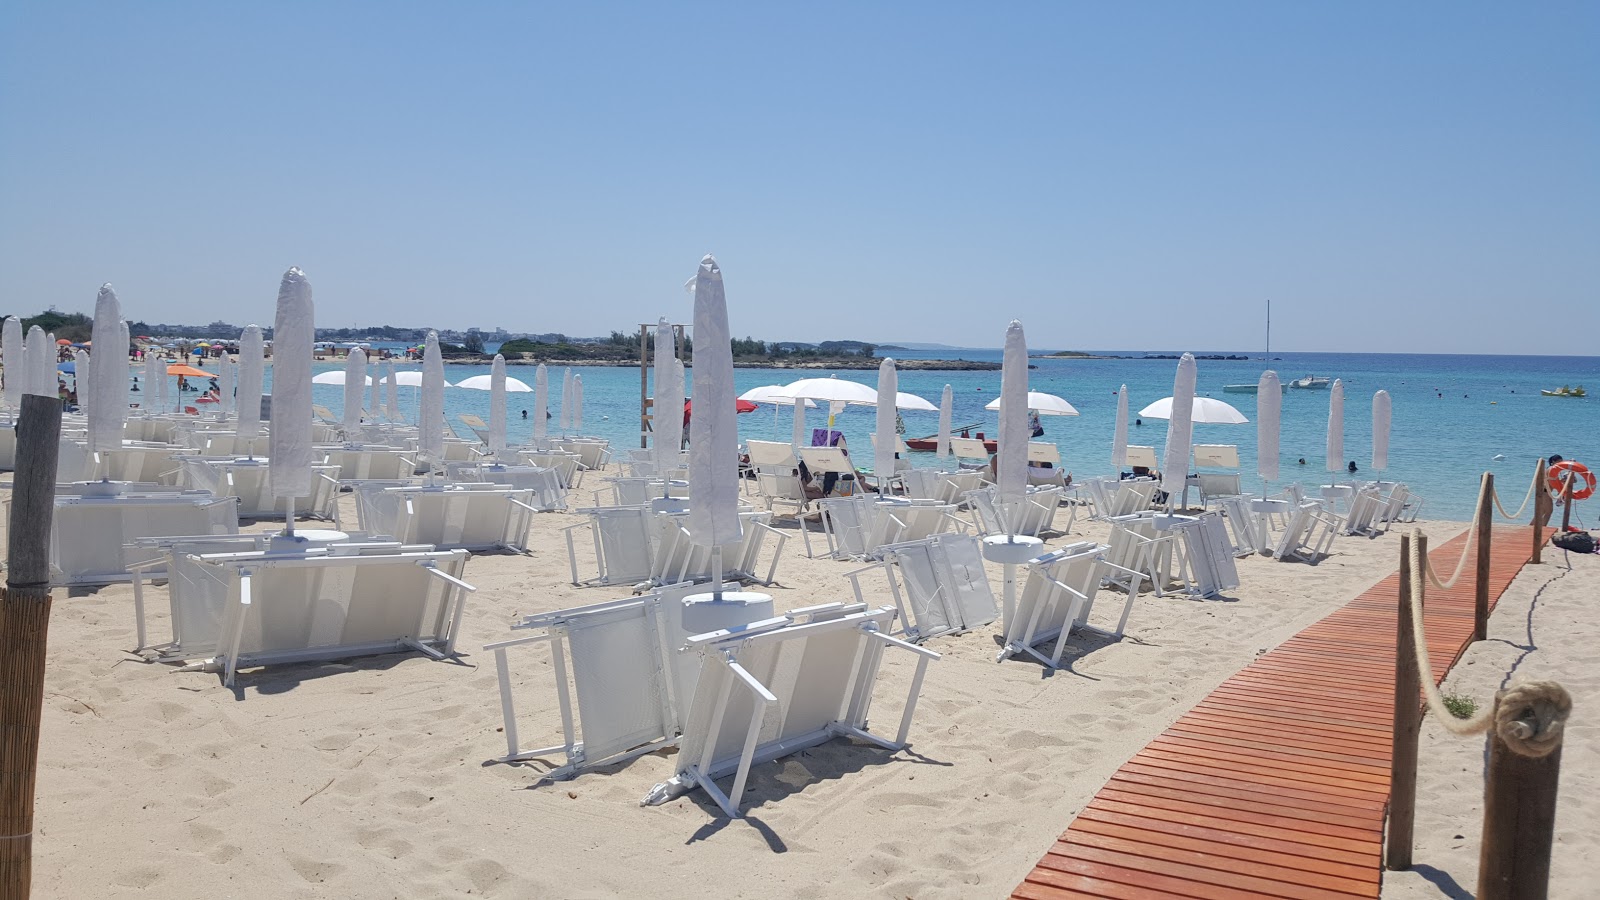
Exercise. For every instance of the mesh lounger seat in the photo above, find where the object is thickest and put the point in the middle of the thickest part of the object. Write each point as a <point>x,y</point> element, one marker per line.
<point>250,481</point>
<point>779,686</point>
<point>678,559</point>
<point>472,516</point>
<point>1364,510</point>
<point>920,519</point>
<point>854,527</point>
<point>1209,565</point>
<point>1308,534</point>
<point>145,463</point>
<point>1036,513</point>
<point>1058,596</point>
<point>544,485</point>
<point>1241,525</point>
<point>938,583</point>
<point>623,549</point>
<point>370,463</point>
<point>777,474</point>
<point>592,453</point>
<point>1400,505</point>
<point>1137,544</point>
<point>89,530</point>
<point>567,466</point>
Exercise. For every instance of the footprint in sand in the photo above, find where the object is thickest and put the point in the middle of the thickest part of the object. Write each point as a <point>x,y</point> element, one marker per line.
<point>313,870</point>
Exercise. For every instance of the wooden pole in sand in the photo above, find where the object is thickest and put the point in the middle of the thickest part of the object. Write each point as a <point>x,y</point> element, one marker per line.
<point>1407,724</point>
<point>1480,587</point>
<point>1519,820</point>
<point>1541,495</point>
<point>24,626</point>
<point>1566,500</point>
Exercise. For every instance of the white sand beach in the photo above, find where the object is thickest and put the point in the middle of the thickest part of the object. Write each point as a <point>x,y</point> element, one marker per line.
<point>368,778</point>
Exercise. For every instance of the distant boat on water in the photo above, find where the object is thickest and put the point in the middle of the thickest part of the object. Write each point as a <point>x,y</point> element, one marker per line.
<point>1311,383</point>
<point>1564,391</point>
<point>1265,357</point>
<point>1248,388</point>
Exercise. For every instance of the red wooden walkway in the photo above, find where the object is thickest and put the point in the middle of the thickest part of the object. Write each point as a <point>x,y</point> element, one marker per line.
<point>1275,784</point>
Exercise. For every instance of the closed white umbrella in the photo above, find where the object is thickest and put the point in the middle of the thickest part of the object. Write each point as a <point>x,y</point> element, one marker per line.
<point>565,419</point>
<point>152,375</point>
<point>225,384</point>
<point>391,391</point>
<point>15,359</point>
<point>669,399</point>
<point>1335,461</point>
<point>1269,415</point>
<point>1011,476</point>
<point>1203,410</point>
<point>714,436</point>
<point>430,413</point>
<point>83,377</point>
<point>293,333</point>
<point>497,405</point>
<point>1044,404</point>
<point>1382,415</point>
<point>799,436</point>
<point>577,404</point>
<point>1180,428</point>
<point>946,404</point>
<point>40,363</point>
<point>355,389</point>
<point>541,404</point>
<point>251,365</point>
<point>163,384</point>
<point>1119,433</point>
<point>883,451</point>
<point>123,365</point>
<point>106,396</point>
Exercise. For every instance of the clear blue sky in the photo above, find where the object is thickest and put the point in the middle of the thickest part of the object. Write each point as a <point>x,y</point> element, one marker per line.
<point>1395,177</point>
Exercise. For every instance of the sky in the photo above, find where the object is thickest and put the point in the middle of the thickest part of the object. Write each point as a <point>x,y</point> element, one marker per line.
<point>1418,177</point>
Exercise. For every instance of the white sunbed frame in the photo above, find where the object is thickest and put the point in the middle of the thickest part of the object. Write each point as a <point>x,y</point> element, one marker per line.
<point>1308,535</point>
<point>622,544</point>
<point>941,589</point>
<point>677,558</point>
<point>1058,596</point>
<point>467,516</point>
<point>88,533</point>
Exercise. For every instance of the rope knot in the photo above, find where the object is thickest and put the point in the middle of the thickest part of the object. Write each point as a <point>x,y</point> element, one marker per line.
<point>1531,717</point>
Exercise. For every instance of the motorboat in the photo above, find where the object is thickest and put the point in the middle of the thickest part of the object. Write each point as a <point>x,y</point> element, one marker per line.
<point>1311,383</point>
<point>1247,388</point>
<point>1564,391</point>
<point>930,443</point>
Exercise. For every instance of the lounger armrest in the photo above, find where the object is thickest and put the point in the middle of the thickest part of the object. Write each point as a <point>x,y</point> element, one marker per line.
<point>521,504</point>
<point>433,569</point>
<point>1068,588</point>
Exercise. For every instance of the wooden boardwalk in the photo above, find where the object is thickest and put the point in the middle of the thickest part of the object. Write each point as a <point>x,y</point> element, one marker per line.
<point>1275,784</point>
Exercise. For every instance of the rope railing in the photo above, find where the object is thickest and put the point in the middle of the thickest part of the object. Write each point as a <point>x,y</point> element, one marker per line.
<point>1426,565</point>
<point>1533,488</point>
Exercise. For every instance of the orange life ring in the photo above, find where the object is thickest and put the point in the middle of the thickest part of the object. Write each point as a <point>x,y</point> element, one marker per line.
<point>1558,477</point>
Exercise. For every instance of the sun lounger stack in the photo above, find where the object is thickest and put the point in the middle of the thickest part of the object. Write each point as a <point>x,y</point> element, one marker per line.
<point>1058,596</point>
<point>938,584</point>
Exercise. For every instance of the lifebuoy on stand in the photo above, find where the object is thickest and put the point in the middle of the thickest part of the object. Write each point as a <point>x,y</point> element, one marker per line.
<point>1561,471</point>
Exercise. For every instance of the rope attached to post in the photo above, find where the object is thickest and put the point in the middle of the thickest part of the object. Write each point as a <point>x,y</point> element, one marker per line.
<point>1461,565</point>
<point>1529,717</point>
<point>1533,488</point>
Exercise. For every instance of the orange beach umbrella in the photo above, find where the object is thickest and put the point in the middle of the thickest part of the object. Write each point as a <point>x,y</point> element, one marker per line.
<point>191,371</point>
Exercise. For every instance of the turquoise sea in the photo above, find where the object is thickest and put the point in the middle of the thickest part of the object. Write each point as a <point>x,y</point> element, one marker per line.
<point>1452,414</point>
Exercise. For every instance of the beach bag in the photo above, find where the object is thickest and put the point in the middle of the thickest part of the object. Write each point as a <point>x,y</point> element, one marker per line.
<point>1574,541</point>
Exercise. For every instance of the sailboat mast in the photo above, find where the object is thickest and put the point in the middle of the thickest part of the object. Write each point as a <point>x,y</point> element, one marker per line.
<point>1269,328</point>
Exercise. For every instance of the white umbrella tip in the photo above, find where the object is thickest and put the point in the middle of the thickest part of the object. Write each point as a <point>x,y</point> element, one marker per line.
<point>294,276</point>
<point>107,289</point>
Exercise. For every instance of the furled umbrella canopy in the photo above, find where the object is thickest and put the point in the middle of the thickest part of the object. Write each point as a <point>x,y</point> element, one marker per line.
<point>541,404</point>
<point>430,415</point>
<point>15,359</point>
<point>1011,465</point>
<point>1180,429</point>
<point>123,365</point>
<point>225,383</point>
<point>1269,416</point>
<point>566,402</point>
<point>154,375</point>
<point>83,377</point>
<point>667,401</point>
<point>577,404</point>
<point>1335,461</point>
<point>714,438</point>
<point>251,365</point>
<point>946,405</point>
<point>798,436</point>
<point>391,392</point>
<point>886,438</point>
<point>355,390</point>
<point>1119,432</point>
<point>293,334</point>
<point>1382,416</point>
<point>40,362</point>
<point>497,405</point>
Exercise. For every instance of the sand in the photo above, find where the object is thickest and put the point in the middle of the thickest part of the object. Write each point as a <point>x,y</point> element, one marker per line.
<point>368,778</point>
<point>1546,627</point>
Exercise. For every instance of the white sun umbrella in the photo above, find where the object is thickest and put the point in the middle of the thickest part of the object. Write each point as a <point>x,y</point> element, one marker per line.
<point>1044,404</point>
<point>946,404</point>
<point>225,383</point>
<point>1119,433</point>
<point>798,436</point>
<point>667,420</point>
<point>82,376</point>
<point>293,333</point>
<point>884,447</point>
<point>1269,415</point>
<point>714,435</point>
<point>1203,410</point>
<point>1335,461</point>
<point>1011,465</point>
<point>577,404</point>
<point>1382,415</point>
<point>36,361</point>
<point>337,376</point>
<point>430,413</point>
<point>486,382</point>
<point>12,354</point>
<point>391,391</point>
<point>541,405</point>
<point>833,389</point>
<point>251,367</point>
<point>152,369</point>
<point>355,390</point>
<point>775,395</point>
<point>107,382</point>
<point>497,405</point>
<point>411,378</point>
<point>163,384</point>
<point>123,365</point>
<point>565,419</point>
<point>1180,427</point>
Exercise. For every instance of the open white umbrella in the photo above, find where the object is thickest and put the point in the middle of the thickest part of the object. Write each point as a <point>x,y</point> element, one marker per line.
<point>946,404</point>
<point>564,418</point>
<point>1011,475</point>
<point>833,389</point>
<point>1180,427</point>
<point>883,451</point>
<point>1382,416</point>
<point>577,404</point>
<point>108,378</point>
<point>391,391</point>
<point>1269,413</point>
<point>486,382</point>
<point>774,394</point>
<point>714,437</point>
<point>251,367</point>
<point>1119,433</point>
<point>1044,404</point>
<point>1335,462</point>
<point>1203,410</point>
<point>293,333</point>
<point>497,405</point>
<point>403,377</point>
<point>430,412</point>
<point>541,404</point>
<point>355,390</point>
<point>337,376</point>
<point>12,354</point>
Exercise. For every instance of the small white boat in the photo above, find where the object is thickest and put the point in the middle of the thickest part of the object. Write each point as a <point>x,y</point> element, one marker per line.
<point>1311,383</point>
<point>1247,388</point>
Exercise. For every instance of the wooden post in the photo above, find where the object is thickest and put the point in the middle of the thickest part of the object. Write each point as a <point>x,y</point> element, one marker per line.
<point>1566,500</point>
<point>1519,820</point>
<point>1485,537</point>
<point>1540,493</point>
<point>1407,725</point>
<point>24,626</point>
